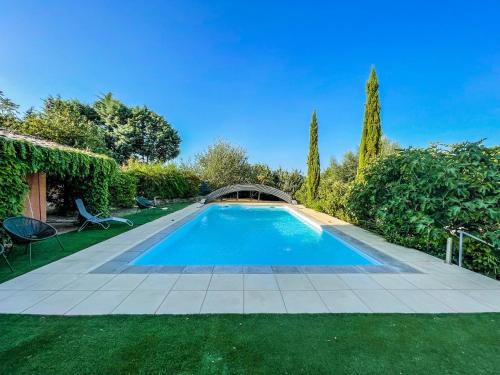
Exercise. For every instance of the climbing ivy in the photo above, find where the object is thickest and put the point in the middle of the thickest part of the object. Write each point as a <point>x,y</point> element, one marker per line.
<point>88,174</point>
<point>415,196</point>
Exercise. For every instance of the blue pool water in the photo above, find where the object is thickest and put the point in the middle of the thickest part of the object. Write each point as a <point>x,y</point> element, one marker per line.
<point>251,235</point>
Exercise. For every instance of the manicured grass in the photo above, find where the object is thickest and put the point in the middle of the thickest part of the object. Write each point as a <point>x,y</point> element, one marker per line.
<point>48,251</point>
<point>251,344</point>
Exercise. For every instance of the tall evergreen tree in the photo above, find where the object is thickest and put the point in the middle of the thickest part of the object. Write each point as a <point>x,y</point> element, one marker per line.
<point>370,147</point>
<point>313,167</point>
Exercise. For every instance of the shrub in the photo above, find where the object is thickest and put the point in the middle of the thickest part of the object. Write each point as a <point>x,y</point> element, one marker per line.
<point>411,196</point>
<point>163,181</point>
<point>87,174</point>
<point>334,197</point>
<point>123,189</point>
<point>289,182</point>
<point>223,164</point>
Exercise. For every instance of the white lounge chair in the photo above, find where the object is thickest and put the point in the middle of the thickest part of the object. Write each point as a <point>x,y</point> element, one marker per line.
<point>91,219</point>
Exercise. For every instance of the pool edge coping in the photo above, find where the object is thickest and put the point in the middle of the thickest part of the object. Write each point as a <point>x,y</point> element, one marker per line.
<point>120,264</point>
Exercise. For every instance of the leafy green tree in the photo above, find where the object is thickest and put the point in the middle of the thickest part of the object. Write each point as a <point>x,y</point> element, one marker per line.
<point>287,181</point>
<point>113,114</point>
<point>146,136</point>
<point>389,147</point>
<point>223,164</point>
<point>67,122</point>
<point>136,132</point>
<point>411,196</point>
<point>313,167</point>
<point>335,186</point>
<point>344,171</point>
<point>371,135</point>
<point>262,174</point>
<point>8,112</point>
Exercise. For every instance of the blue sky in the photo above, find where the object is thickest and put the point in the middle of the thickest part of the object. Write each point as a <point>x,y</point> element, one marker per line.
<point>251,72</point>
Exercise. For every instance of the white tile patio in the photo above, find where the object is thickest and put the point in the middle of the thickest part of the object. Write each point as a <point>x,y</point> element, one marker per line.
<point>99,303</point>
<point>260,282</point>
<point>226,282</point>
<point>182,302</point>
<point>303,302</point>
<point>68,286</point>
<point>382,301</point>
<point>421,301</point>
<point>59,302</point>
<point>263,301</point>
<point>343,301</point>
<point>293,282</point>
<point>141,302</point>
<point>224,302</point>
<point>192,282</point>
<point>158,282</point>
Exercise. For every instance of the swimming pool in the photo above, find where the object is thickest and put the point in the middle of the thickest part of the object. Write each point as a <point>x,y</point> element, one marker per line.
<point>230,235</point>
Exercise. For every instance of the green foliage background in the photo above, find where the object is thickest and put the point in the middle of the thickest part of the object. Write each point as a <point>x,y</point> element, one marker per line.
<point>123,189</point>
<point>411,196</point>
<point>163,181</point>
<point>89,174</point>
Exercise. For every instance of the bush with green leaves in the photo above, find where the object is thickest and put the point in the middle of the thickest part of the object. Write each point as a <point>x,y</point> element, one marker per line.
<point>287,181</point>
<point>223,164</point>
<point>123,189</point>
<point>411,196</point>
<point>163,181</point>
<point>87,175</point>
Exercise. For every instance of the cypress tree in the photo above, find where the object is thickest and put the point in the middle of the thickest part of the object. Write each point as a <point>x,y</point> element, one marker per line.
<point>371,136</point>
<point>313,168</point>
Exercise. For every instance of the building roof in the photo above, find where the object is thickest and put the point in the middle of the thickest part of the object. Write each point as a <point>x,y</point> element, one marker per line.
<point>9,134</point>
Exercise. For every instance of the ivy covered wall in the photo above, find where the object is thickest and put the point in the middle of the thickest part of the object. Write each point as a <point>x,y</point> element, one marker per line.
<point>88,174</point>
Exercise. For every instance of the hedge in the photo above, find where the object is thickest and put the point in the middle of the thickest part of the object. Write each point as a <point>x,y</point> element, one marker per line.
<point>163,181</point>
<point>123,189</point>
<point>88,174</point>
<point>411,197</point>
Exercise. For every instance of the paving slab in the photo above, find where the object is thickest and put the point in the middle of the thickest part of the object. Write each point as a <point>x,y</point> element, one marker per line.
<point>141,302</point>
<point>223,302</point>
<point>99,303</point>
<point>381,301</point>
<point>303,302</point>
<point>343,301</point>
<point>459,302</point>
<point>293,282</point>
<point>489,298</point>
<point>393,282</point>
<point>158,282</point>
<point>420,301</point>
<point>124,282</point>
<point>263,301</point>
<point>226,282</point>
<point>90,282</point>
<point>58,303</point>
<point>193,282</point>
<point>22,300</point>
<point>327,282</point>
<point>360,281</point>
<point>182,302</point>
<point>260,282</point>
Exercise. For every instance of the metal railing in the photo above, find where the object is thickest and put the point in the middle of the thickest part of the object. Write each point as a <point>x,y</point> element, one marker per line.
<point>461,234</point>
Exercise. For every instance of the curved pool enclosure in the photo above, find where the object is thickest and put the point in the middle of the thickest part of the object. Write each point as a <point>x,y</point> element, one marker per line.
<point>268,190</point>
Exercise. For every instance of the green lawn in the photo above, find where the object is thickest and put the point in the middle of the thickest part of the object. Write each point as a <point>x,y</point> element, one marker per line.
<point>49,251</point>
<point>251,344</point>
